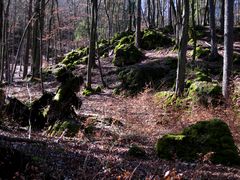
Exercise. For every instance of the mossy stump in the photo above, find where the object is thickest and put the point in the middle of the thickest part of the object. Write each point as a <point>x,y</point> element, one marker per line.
<point>198,140</point>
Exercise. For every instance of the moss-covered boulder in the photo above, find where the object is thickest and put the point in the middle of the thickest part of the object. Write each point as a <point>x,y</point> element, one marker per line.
<point>205,93</point>
<point>126,54</point>
<point>118,36</point>
<point>198,140</point>
<point>75,57</point>
<point>153,39</point>
<point>135,78</point>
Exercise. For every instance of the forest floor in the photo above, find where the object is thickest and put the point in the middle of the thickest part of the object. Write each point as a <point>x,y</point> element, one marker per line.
<point>122,121</point>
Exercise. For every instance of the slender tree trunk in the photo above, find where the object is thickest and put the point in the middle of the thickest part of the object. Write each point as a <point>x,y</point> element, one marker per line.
<point>214,51</point>
<point>205,14</point>
<point>169,14</point>
<point>194,36</point>
<point>92,45</point>
<point>138,26</point>
<point>181,69</point>
<point>130,11</point>
<point>36,42</point>
<point>153,13</point>
<point>222,16</point>
<point>149,13</point>
<point>28,43</point>
<point>1,31</point>
<point>50,31</point>
<point>228,46</point>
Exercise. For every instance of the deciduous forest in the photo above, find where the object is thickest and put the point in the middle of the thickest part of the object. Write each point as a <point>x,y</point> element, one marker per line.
<point>120,89</point>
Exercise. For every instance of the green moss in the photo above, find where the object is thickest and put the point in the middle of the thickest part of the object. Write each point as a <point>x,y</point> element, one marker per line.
<point>201,52</point>
<point>165,97</point>
<point>69,128</point>
<point>191,42</point>
<point>136,151</point>
<point>126,54</point>
<point>89,92</point>
<point>200,138</point>
<point>118,36</point>
<point>76,57</point>
<point>153,39</point>
<point>205,93</point>
<point>200,88</point>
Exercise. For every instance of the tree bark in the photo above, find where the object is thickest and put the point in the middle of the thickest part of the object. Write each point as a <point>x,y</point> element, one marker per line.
<point>138,25</point>
<point>228,46</point>
<point>214,51</point>
<point>92,45</point>
<point>181,69</point>
<point>28,43</point>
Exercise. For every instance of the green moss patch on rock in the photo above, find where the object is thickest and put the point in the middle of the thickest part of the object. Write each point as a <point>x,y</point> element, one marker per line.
<point>153,39</point>
<point>89,92</point>
<point>135,78</point>
<point>126,54</point>
<point>118,36</point>
<point>67,128</point>
<point>198,140</point>
<point>205,93</point>
<point>75,57</point>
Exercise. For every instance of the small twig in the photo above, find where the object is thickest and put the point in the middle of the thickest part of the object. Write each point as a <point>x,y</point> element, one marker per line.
<point>130,178</point>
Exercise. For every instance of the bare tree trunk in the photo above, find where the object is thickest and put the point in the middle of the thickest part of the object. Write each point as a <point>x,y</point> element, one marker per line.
<point>138,25</point>
<point>205,14</point>
<point>153,13</point>
<point>222,16</point>
<point>50,31</point>
<point>130,11</point>
<point>181,69</point>
<point>214,51</point>
<point>149,13</point>
<point>92,45</point>
<point>4,54</point>
<point>228,46</point>
<point>1,32</point>
<point>194,36</point>
<point>169,14</point>
<point>36,43</point>
<point>28,43</point>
